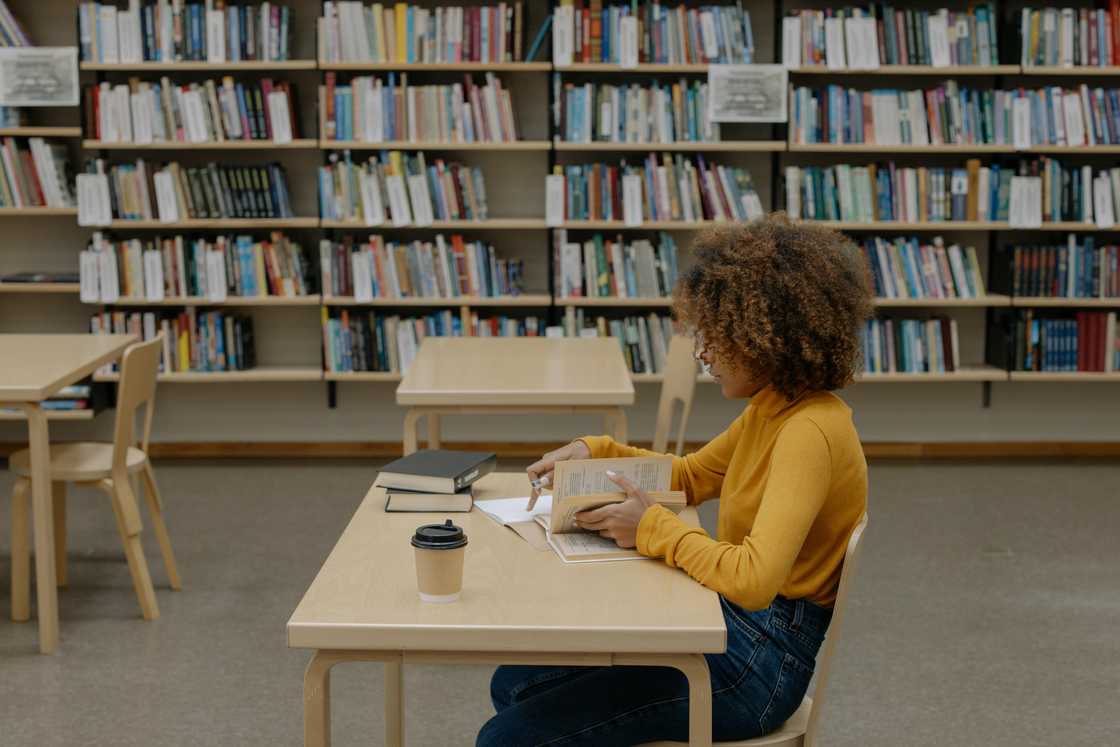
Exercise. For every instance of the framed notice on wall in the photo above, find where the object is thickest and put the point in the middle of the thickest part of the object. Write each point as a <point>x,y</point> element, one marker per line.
<point>39,76</point>
<point>747,93</point>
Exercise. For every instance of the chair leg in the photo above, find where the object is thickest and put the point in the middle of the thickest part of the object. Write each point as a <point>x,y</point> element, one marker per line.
<point>58,495</point>
<point>21,551</point>
<point>120,491</point>
<point>155,506</point>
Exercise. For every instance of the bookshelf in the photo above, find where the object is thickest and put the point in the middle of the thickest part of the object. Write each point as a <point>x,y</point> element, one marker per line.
<point>250,66</point>
<point>519,145</point>
<point>296,144</point>
<point>39,288</point>
<point>258,375</point>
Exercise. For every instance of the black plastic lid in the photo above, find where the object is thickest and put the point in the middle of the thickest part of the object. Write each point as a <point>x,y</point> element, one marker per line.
<point>445,536</point>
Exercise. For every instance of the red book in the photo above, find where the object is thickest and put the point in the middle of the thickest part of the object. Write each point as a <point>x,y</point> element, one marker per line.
<point>1094,54</point>
<point>1114,16</point>
<point>33,178</point>
<point>586,35</point>
<point>329,124</point>
<point>1082,342</point>
<point>266,88</point>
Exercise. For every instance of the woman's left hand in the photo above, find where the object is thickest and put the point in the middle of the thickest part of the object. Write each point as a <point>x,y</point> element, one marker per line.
<point>618,521</point>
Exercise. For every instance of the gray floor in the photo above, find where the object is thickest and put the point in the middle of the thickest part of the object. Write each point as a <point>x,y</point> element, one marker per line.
<point>987,611</point>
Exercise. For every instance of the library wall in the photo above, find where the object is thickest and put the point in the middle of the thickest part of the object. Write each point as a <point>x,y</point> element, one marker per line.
<point>365,411</point>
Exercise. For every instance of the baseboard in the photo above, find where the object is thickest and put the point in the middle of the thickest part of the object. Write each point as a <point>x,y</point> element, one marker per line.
<point>887,450</point>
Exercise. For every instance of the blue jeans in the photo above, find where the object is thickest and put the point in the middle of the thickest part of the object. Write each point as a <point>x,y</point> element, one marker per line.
<point>756,685</point>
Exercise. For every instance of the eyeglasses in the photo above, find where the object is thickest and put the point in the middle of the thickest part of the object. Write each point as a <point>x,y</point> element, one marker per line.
<point>699,347</point>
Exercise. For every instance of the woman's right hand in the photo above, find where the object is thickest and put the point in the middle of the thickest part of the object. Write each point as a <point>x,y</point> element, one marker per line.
<point>543,467</point>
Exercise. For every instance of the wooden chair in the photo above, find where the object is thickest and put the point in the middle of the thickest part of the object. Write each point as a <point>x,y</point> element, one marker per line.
<point>107,466</point>
<point>801,728</point>
<point>678,386</point>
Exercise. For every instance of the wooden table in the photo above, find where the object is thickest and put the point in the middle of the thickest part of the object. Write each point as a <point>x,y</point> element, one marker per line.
<point>501,375</point>
<point>519,606</point>
<point>32,368</point>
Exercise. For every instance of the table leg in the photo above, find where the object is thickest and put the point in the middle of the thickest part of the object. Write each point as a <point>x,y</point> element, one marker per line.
<point>317,700</point>
<point>42,511</point>
<point>433,431</point>
<point>695,668</point>
<point>411,421</point>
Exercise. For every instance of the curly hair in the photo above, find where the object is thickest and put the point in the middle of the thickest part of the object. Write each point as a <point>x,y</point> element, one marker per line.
<point>785,300</point>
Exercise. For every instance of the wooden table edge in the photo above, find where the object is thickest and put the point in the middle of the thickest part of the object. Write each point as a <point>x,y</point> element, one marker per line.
<point>47,390</point>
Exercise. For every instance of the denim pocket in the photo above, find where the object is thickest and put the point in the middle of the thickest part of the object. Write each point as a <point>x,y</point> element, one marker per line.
<point>740,618</point>
<point>789,689</point>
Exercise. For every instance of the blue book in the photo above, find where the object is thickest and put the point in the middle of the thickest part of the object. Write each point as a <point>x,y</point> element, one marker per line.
<point>539,40</point>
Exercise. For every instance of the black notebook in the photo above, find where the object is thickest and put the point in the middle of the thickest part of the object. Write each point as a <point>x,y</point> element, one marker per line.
<point>397,500</point>
<point>436,470</point>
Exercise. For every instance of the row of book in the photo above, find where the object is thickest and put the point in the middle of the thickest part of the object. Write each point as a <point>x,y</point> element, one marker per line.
<point>401,189</point>
<point>1070,36</point>
<point>373,110</point>
<point>634,113</point>
<point>1083,341</point>
<point>170,193</point>
<point>911,345</point>
<point>605,267</point>
<point>163,31</point>
<point>677,188</point>
<point>949,114</point>
<point>35,176</point>
<point>417,269</point>
<point>178,267</point>
<point>142,112</point>
<point>597,31</point>
<point>1070,270</point>
<point>882,35</point>
<point>644,340</point>
<point>907,268</point>
<point>400,32</point>
<point>193,340</point>
<point>360,341</point>
<point>73,397</point>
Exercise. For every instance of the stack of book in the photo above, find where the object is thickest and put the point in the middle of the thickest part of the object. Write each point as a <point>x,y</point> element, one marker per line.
<point>949,114</point>
<point>677,188</point>
<point>373,110</point>
<point>401,189</point>
<point>911,345</point>
<point>360,341</point>
<point>612,268</point>
<point>708,34</point>
<point>192,340</point>
<point>207,112</point>
<point>177,267</point>
<point>35,176</point>
<point>634,113</point>
<point>417,269</point>
<point>174,193</point>
<point>1075,193</point>
<point>69,398</point>
<point>399,32</point>
<point>882,35</point>
<point>1070,37</point>
<point>1082,341</point>
<point>434,480</point>
<point>1070,270</point>
<point>907,268</point>
<point>644,340</point>
<point>164,31</point>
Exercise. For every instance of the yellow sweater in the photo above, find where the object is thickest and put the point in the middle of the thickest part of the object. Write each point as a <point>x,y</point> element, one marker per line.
<point>792,482</point>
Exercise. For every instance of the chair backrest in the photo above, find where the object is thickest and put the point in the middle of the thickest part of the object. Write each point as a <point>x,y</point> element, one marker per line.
<point>678,385</point>
<point>139,366</point>
<point>824,661</point>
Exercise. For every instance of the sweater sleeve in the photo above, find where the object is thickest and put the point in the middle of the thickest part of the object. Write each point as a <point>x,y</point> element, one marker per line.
<point>699,475</point>
<point>752,573</point>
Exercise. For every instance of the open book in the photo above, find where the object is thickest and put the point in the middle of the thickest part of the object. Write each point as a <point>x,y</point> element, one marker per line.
<point>583,484</point>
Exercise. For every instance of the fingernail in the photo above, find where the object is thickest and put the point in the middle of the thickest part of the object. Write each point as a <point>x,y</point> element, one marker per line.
<point>612,473</point>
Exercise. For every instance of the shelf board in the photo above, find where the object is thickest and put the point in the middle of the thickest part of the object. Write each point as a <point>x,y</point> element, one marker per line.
<point>45,288</point>
<point>362,376</point>
<point>647,378</point>
<point>259,374</point>
<point>457,67</point>
<point>972,373</point>
<point>498,224</point>
<point>254,65</point>
<point>37,212</point>
<point>617,225</point>
<point>1069,303</point>
<point>300,144</point>
<point>526,299</point>
<point>311,300</point>
<point>989,300</point>
<point>613,301</point>
<point>950,148</point>
<point>644,67</point>
<point>955,225</point>
<point>51,415</point>
<point>32,131</point>
<point>1070,376</point>
<point>728,146</point>
<point>911,70</point>
<point>1081,70</point>
<point>514,145</point>
<point>230,223</point>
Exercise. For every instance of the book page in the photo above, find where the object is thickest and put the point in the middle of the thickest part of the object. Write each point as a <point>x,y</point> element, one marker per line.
<point>585,547</point>
<point>587,478</point>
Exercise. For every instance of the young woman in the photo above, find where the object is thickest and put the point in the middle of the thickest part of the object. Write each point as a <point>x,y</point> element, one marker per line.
<point>776,310</point>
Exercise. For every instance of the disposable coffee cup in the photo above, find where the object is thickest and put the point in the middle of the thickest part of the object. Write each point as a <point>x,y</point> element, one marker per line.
<point>440,549</point>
